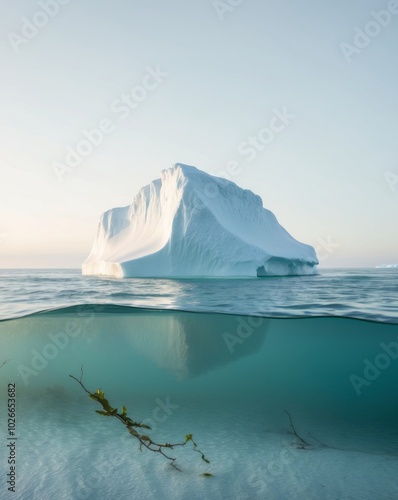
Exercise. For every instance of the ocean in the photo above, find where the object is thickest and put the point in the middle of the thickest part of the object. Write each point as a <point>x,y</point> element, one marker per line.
<point>288,385</point>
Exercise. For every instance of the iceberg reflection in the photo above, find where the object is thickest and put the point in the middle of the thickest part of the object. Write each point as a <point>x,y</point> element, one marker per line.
<point>189,344</point>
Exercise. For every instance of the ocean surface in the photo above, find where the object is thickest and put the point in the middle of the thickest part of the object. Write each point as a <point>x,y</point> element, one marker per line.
<point>288,385</point>
<point>355,293</point>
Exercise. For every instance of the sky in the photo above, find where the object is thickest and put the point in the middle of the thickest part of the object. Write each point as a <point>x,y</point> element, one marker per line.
<point>302,96</point>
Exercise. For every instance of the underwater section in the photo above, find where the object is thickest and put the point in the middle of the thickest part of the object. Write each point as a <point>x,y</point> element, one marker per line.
<point>282,408</point>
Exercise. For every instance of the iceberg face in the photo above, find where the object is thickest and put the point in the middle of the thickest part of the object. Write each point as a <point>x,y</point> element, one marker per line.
<point>191,224</point>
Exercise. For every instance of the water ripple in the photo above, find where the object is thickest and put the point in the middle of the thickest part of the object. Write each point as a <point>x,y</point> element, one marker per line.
<point>358,293</point>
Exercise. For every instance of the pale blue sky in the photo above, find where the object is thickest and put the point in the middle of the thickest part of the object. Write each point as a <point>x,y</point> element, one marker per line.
<point>322,175</point>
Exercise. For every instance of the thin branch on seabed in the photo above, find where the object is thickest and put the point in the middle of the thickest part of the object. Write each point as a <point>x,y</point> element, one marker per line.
<point>4,362</point>
<point>132,426</point>
<point>294,430</point>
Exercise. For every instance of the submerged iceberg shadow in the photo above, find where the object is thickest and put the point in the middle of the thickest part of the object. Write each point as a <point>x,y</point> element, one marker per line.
<point>189,344</point>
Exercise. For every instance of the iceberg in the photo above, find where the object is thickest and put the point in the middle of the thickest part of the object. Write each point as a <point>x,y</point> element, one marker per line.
<point>192,224</point>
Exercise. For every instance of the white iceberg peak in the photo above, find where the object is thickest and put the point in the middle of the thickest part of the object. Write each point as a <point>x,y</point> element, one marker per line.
<point>192,224</point>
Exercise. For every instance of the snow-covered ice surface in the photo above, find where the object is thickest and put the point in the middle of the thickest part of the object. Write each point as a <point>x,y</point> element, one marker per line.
<point>190,224</point>
<point>226,379</point>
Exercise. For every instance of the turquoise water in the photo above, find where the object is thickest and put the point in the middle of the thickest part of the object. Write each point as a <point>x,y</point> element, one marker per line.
<point>228,379</point>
